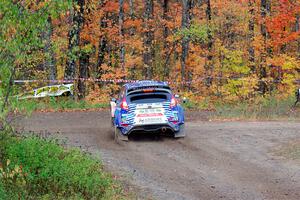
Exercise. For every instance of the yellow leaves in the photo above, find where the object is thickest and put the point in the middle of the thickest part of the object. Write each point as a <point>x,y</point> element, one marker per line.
<point>239,89</point>
<point>290,64</point>
<point>288,82</point>
<point>13,174</point>
<point>286,62</point>
<point>258,45</point>
<point>285,68</point>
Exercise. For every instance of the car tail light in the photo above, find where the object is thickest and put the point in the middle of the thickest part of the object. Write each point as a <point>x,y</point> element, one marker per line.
<point>124,104</point>
<point>173,102</point>
<point>124,125</point>
<point>148,90</point>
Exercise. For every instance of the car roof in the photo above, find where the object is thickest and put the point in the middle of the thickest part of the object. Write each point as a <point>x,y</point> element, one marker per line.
<point>146,83</point>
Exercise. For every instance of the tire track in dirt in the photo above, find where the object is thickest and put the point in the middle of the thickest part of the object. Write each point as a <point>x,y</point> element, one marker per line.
<point>217,160</point>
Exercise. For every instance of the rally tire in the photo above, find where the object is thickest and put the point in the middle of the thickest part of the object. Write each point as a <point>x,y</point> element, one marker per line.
<point>113,122</point>
<point>119,137</point>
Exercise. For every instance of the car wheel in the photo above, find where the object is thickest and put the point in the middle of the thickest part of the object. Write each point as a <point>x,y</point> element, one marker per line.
<point>181,133</point>
<point>112,121</point>
<point>119,137</point>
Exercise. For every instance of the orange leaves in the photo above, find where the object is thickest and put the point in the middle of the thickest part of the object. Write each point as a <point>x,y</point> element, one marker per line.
<point>281,23</point>
<point>111,6</point>
<point>133,61</point>
<point>133,23</point>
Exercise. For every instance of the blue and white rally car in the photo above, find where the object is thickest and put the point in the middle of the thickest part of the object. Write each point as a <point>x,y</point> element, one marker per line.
<point>146,106</point>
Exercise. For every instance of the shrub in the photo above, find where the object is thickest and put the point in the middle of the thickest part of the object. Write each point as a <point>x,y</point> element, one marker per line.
<point>40,168</point>
<point>2,191</point>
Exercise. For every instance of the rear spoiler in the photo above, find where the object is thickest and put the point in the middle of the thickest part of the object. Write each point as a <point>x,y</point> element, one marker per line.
<point>148,87</point>
<point>148,90</point>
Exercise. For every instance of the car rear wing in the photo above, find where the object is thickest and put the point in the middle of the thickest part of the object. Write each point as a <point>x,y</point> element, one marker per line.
<point>149,90</point>
<point>148,87</point>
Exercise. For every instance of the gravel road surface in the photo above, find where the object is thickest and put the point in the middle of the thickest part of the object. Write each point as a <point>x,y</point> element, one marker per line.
<point>217,160</point>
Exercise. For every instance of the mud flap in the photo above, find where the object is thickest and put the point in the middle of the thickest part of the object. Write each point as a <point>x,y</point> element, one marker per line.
<point>119,137</point>
<point>112,121</point>
<point>180,133</point>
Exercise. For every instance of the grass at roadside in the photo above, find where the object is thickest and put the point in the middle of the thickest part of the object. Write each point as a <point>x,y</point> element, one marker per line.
<point>55,104</point>
<point>270,108</point>
<point>36,168</point>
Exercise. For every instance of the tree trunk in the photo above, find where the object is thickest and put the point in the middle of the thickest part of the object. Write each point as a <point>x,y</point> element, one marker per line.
<point>50,59</point>
<point>74,38</point>
<point>251,25</point>
<point>148,39</point>
<point>132,17</point>
<point>185,24</point>
<point>84,59</point>
<point>102,46</point>
<point>9,88</point>
<point>165,6</point>
<point>209,64</point>
<point>131,9</point>
<point>83,73</point>
<point>265,10</point>
<point>102,50</point>
<point>297,29</point>
<point>132,31</point>
<point>121,33</point>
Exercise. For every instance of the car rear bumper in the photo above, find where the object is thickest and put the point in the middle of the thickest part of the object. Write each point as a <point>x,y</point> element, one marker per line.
<point>151,128</point>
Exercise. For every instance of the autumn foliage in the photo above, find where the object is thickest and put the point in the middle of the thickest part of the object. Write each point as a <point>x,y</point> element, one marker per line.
<point>230,50</point>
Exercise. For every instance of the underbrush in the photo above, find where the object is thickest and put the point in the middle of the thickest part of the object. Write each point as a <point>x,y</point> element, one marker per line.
<point>198,105</point>
<point>267,108</point>
<point>263,108</point>
<point>55,104</point>
<point>2,191</point>
<point>37,168</point>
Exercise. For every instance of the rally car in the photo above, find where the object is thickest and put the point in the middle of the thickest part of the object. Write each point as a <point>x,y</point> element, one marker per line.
<point>146,106</point>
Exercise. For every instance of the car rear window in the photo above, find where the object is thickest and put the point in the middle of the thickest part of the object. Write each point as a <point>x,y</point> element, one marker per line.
<point>149,98</point>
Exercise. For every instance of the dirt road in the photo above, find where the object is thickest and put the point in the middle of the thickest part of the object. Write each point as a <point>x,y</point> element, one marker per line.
<point>217,160</point>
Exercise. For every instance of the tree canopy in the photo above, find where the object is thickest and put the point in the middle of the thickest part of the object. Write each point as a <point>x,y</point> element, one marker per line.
<point>231,49</point>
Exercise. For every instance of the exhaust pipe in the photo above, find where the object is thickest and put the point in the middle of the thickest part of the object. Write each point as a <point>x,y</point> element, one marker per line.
<point>164,129</point>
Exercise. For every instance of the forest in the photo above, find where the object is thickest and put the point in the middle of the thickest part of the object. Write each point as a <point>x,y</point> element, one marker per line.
<point>233,50</point>
<point>232,60</point>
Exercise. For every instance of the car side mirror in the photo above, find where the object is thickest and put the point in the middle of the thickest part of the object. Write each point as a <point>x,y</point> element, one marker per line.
<point>114,100</point>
